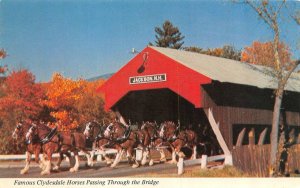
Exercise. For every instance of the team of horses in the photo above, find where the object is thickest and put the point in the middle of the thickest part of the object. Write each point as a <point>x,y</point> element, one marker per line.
<point>41,139</point>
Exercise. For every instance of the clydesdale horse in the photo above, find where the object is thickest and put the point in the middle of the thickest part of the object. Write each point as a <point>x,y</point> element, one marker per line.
<point>176,139</point>
<point>124,139</point>
<point>31,148</point>
<point>63,143</point>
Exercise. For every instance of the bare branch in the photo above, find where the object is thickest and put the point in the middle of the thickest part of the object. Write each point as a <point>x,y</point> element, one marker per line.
<point>271,16</point>
<point>289,72</point>
<point>280,7</point>
<point>296,18</point>
<point>260,12</point>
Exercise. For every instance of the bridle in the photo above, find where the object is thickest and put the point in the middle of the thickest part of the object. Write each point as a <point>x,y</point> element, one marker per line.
<point>154,134</point>
<point>109,131</point>
<point>36,137</point>
<point>20,131</point>
<point>170,138</point>
<point>88,129</point>
<point>29,135</point>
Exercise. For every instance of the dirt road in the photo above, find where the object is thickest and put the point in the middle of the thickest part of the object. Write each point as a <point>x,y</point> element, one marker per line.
<point>99,170</point>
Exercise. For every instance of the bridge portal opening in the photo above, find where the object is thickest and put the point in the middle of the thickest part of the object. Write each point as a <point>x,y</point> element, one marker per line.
<point>157,105</point>
<point>160,105</point>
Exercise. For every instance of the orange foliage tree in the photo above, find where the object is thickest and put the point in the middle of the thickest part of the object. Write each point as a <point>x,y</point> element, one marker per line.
<point>62,94</point>
<point>20,100</point>
<point>91,105</point>
<point>262,53</point>
<point>22,96</point>
<point>73,102</point>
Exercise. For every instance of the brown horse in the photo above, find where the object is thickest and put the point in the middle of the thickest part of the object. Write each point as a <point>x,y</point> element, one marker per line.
<point>156,141</point>
<point>94,133</point>
<point>170,133</point>
<point>124,139</point>
<point>63,143</point>
<point>31,148</point>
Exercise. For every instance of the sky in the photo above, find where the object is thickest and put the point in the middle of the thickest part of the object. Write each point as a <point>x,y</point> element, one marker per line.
<point>88,38</point>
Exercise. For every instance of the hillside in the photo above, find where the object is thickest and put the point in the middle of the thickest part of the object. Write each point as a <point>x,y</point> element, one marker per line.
<point>104,76</point>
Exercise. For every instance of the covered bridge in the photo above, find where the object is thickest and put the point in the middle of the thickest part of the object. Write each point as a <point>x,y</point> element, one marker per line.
<point>235,99</point>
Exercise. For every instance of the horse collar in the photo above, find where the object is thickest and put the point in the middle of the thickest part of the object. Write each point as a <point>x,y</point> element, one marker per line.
<point>124,137</point>
<point>49,136</point>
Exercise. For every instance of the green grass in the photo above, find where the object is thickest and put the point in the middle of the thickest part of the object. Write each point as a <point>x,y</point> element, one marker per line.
<point>227,171</point>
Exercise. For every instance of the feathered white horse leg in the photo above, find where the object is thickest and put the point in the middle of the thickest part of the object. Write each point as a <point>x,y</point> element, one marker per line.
<point>144,157</point>
<point>173,161</point>
<point>27,163</point>
<point>42,162</point>
<point>76,166</point>
<point>151,161</point>
<point>162,155</point>
<point>118,158</point>
<point>90,161</point>
<point>47,168</point>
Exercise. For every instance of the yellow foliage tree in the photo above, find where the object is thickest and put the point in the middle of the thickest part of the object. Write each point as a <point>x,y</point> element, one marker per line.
<point>91,105</point>
<point>74,102</point>
<point>262,53</point>
<point>62,93</point>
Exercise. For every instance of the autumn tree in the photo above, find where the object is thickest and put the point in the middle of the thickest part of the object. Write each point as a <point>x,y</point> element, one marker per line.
<point>227,51</point>
<point>270,13</point>
<point>21,100</point>
<point>91,105</point>
<point>168,36</point>
<point>262,53</point>
<point>22,96</point>
<point>74,102</point>
<point>62,94</point>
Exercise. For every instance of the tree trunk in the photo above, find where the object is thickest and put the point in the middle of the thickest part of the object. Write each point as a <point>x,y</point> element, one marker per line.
<point>274,133</point>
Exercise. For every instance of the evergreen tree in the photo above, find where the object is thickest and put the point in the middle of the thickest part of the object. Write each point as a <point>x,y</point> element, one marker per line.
<point>194,49</point>
<point>230,52</point>
<point>168,36</point>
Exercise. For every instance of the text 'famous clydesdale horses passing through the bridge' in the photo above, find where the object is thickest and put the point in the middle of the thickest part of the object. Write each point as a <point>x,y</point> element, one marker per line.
<point>85,182</point>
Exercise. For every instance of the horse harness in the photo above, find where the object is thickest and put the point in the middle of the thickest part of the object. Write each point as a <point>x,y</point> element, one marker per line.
<point>174,137</point>
<point>153,136</point>
<point>50,136</point>
<point>184,138</point>
<point>46,139</point>
<point>124,138</point>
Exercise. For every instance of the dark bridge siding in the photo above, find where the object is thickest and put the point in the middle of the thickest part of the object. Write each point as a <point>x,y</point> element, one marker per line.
<point>249,106</point>
<point>235,104</point>
<point>255,159</point>
<point>235,95</point>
